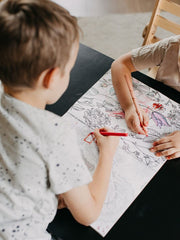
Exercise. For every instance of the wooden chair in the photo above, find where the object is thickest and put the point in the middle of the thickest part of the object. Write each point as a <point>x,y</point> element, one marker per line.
<point>159,21</point>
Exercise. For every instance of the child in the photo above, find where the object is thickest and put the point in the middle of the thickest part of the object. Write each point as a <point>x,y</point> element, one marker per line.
<point>39,156</point>
<point>166,55</point>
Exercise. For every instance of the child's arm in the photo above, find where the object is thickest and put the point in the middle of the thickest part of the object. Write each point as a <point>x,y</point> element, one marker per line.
<point>85,202</point>
<point>120,70</point>
<point>168,146</point>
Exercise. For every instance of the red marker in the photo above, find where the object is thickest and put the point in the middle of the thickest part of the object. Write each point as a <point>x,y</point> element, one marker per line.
<point>114,134</point>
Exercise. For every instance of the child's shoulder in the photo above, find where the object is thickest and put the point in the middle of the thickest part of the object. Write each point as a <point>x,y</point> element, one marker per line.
<point>36,124</point>
<point>21,115</point>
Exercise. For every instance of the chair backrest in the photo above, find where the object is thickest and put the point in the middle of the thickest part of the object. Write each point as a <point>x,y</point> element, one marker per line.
<point>157,20</point>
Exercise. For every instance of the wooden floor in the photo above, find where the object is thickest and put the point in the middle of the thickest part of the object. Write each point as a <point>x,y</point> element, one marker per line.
<point>101,7</point>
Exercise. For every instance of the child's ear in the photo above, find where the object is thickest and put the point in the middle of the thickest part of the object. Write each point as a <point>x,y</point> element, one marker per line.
<point>49,77</point>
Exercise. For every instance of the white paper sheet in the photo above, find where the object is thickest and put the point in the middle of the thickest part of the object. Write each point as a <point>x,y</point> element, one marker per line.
<point>134,165</point>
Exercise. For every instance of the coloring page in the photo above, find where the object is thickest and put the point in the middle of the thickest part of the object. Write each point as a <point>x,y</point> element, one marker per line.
<point>133,165</point>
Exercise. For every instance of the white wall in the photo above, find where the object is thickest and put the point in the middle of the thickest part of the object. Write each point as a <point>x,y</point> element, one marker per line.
<point>76,7</point>
<point>82,8</point>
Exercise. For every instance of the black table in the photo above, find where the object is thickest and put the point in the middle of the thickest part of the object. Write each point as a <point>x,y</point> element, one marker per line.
<point>155,214</point>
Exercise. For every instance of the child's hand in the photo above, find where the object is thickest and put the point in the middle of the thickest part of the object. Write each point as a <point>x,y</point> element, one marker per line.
<point>133,122</point>
<point>168,146</point>
<point>106,144</point>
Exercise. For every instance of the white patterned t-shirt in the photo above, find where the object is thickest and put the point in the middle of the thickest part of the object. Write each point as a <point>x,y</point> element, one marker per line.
<point>39,158</point>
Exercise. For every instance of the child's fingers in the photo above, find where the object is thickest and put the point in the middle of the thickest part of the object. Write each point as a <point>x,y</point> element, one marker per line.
<point>173,156</point>
<point>137,128</point>
<point>161,147</point>
<point>106,129</point>
<point>97,133</point>
<point>166,152</point>
<point>145,119</point>
<point>162,140</point>
<point>173,133</point>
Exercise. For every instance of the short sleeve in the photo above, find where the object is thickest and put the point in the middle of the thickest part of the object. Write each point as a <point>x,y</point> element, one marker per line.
<point>150,55</point>
<point>66,167</point>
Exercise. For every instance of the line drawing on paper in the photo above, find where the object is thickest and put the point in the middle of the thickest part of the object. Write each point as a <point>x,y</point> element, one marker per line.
<point>133,165</point>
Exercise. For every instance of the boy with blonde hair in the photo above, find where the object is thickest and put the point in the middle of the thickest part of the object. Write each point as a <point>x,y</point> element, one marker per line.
<point>40,160</point>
